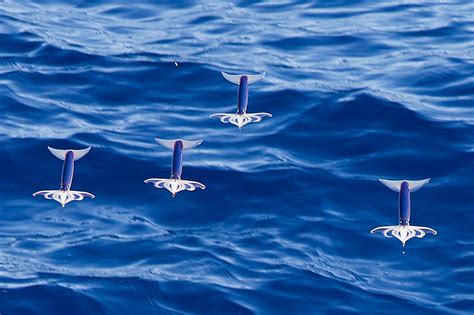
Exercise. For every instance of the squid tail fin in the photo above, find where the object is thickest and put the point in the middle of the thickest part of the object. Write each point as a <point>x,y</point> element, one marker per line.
<point>395,185</point>
<point>61,154</point>
<point>187,144</point>
<point>251,78</point>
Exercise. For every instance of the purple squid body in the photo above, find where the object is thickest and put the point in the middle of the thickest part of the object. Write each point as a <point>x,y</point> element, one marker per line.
<point>243,96</point>
<point>404,206</point>
<point>68,171</point>
<point>177,168</point>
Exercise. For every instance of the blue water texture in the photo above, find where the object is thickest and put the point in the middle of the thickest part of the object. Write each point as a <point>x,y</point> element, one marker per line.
<point>358,90</point>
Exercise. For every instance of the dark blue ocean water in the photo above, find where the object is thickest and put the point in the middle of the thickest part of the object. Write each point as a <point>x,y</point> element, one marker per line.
<point>358,90</point>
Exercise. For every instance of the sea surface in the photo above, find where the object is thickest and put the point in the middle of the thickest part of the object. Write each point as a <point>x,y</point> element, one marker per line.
<point>358,90</point>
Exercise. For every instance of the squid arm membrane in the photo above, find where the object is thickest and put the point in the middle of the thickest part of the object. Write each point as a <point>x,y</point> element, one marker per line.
<point>403,232</point>
<point>63,196</point>
<point>240,120</point>
<point>173,185</point>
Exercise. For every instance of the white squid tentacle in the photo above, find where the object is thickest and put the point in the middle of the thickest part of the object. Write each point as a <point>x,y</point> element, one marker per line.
<point>63,196</point>
<point>240,120</point>
<point>422,230</point>
<point>173,185</point>
<point>404,232</point>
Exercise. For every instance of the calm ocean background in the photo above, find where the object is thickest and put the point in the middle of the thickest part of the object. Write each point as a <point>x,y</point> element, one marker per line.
<point>358,90</point>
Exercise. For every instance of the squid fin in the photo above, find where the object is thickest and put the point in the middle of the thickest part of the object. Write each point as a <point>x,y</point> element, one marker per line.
<point>395,185</point>
<point>251,78</point>
<point>187,144</point>
<point>61,154</point>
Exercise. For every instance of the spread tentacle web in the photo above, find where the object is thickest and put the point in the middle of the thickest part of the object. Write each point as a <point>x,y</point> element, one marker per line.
<point>240,120</point>
<point>403,232</point>
<point>64,196</point>
<point>173,185</point>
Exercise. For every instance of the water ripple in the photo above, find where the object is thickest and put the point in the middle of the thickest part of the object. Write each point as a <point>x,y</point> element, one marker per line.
<point>358,90</point>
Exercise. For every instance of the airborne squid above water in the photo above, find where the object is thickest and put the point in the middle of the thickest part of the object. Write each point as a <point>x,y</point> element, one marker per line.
<point>175,184</point>
<point>404,231</point>
<point>65,195</point>
<point>241,118</point>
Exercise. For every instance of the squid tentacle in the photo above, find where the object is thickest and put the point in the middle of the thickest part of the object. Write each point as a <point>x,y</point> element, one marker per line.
<point>403,232</point>
<point>174,185</point>
<point>241,120</point>
<point>63,196</point>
